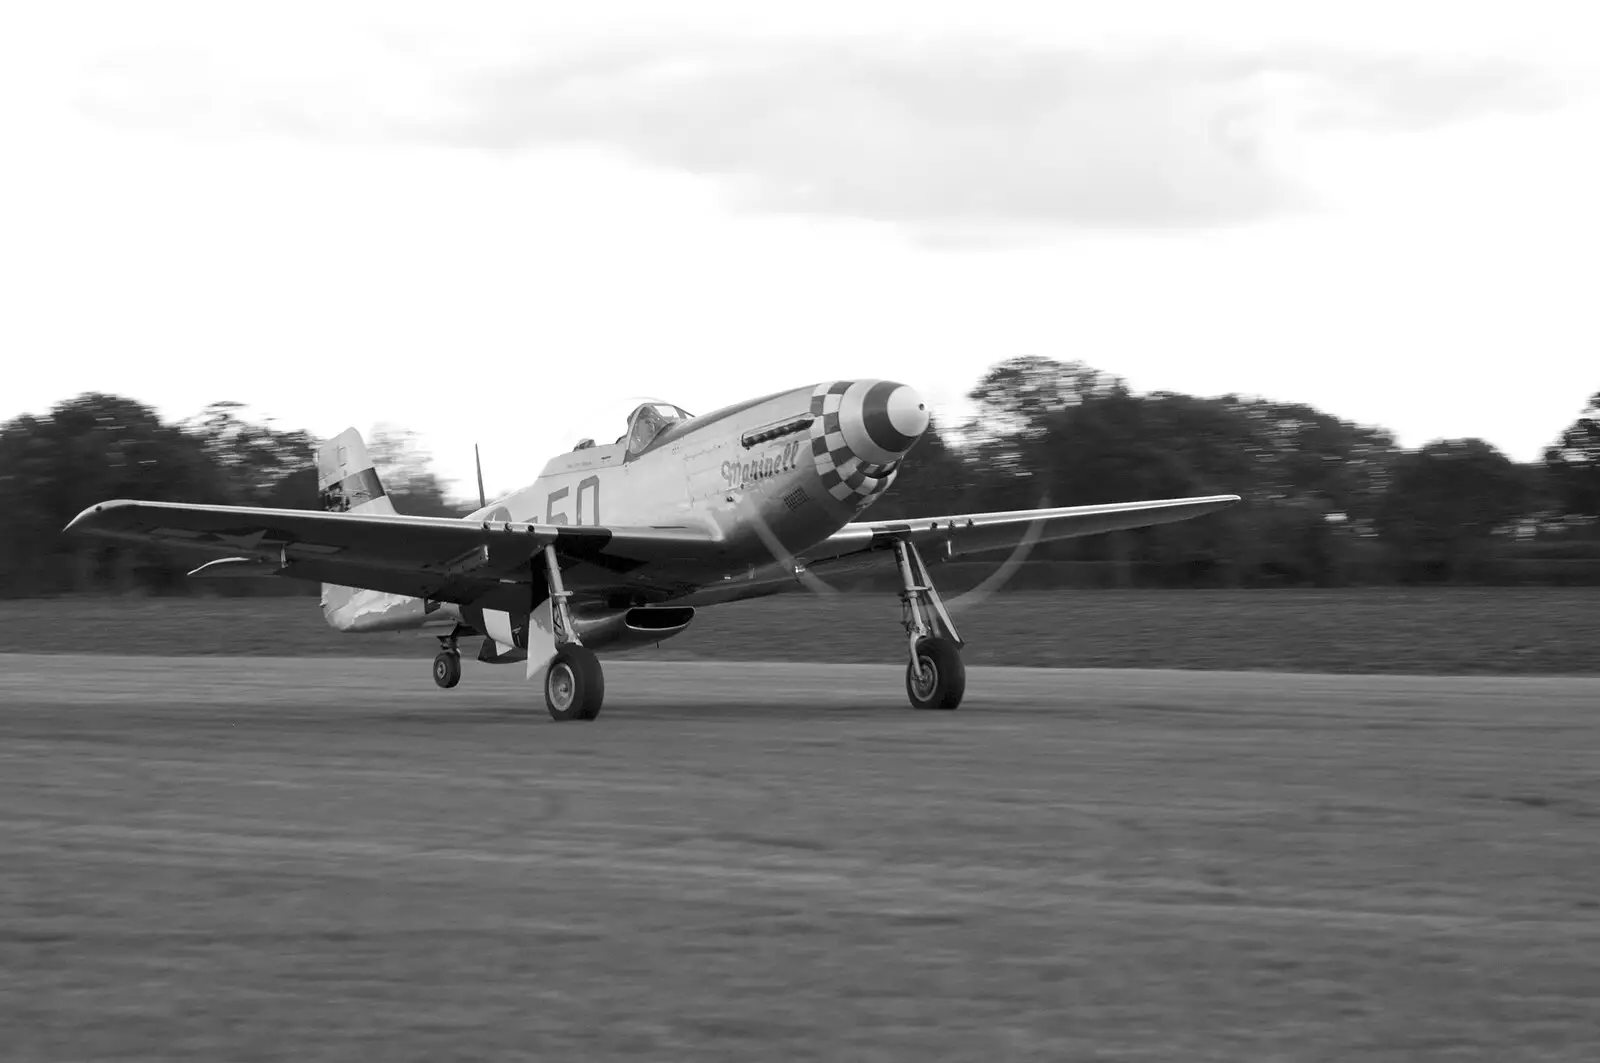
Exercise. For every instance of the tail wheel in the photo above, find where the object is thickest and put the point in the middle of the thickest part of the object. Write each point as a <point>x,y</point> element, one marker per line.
<point>937,677</point>
<point>574,685</point>
<point>447,669</point>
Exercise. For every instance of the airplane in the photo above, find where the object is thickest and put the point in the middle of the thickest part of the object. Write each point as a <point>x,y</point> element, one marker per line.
<point>616,546</point>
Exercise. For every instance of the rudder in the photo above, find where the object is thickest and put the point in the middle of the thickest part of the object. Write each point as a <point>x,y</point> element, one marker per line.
<point>346,479</point>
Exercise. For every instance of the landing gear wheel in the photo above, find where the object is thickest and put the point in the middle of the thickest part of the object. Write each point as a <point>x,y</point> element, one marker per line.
<point>574,685</point>
<point>447,669</point>
<point>938,677</point>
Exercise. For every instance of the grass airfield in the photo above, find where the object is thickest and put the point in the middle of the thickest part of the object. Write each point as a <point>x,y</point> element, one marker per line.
<point>1396,630</point>
<point>263,858</point>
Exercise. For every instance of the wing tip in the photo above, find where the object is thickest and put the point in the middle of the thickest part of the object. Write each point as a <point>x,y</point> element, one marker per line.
<point>84,521</point>
<point>79,523</point>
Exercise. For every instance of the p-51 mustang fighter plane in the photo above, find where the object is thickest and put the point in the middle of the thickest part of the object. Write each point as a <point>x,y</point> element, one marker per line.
<point>615,546</point>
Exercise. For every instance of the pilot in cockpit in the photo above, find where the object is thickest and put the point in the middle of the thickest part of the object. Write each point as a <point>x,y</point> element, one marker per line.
<point>648,422</point>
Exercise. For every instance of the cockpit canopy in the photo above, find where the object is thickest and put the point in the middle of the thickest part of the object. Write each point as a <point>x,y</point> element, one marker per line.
<point>649,421</point>
<point>645,423</point>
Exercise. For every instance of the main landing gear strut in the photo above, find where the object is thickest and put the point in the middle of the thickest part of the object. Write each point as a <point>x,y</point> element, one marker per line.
<point>936,678</point>
<point>574,685</point>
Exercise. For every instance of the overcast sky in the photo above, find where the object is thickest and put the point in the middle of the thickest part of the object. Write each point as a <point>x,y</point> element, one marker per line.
<point>507,223</point>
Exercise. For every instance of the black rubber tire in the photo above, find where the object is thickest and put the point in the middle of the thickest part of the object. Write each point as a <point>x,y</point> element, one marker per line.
<point>447,669</point>
<point>949,678</point>
<point>574,685</point>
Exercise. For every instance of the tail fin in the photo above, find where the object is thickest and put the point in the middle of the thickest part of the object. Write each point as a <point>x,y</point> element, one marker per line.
<point>347,483</point>
<point>346,480</point>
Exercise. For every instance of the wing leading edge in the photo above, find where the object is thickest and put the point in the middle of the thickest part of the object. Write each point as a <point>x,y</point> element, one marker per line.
<point>970,533</point>
<point>425,557</point>
<point>489,563</point>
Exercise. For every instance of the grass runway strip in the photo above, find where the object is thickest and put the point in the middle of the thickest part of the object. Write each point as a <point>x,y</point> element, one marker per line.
<point>1439,631</point>
<point>228,858</point>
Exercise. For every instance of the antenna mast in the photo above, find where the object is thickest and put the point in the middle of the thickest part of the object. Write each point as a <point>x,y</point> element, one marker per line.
<point>483,503</point>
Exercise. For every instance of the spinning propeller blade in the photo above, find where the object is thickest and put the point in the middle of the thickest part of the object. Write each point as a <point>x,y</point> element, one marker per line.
<point>976,596</point>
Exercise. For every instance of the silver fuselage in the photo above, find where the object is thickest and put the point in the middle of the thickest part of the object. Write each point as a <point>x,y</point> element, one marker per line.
<point>765,479</point>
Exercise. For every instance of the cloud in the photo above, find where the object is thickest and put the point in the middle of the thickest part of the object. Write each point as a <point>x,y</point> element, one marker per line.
<point>967,143</point>
<point>970,137</point>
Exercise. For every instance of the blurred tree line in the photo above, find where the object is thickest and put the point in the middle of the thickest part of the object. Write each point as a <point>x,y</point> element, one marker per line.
<point>1326,502</point>
<point>96,447</point>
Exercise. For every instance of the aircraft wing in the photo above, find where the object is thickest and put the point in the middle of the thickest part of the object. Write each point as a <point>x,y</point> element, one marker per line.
<point>970,533</point>
<point>439,558</point>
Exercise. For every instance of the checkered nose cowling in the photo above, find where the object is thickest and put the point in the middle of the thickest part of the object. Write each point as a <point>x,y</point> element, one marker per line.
<point>860,430</point>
